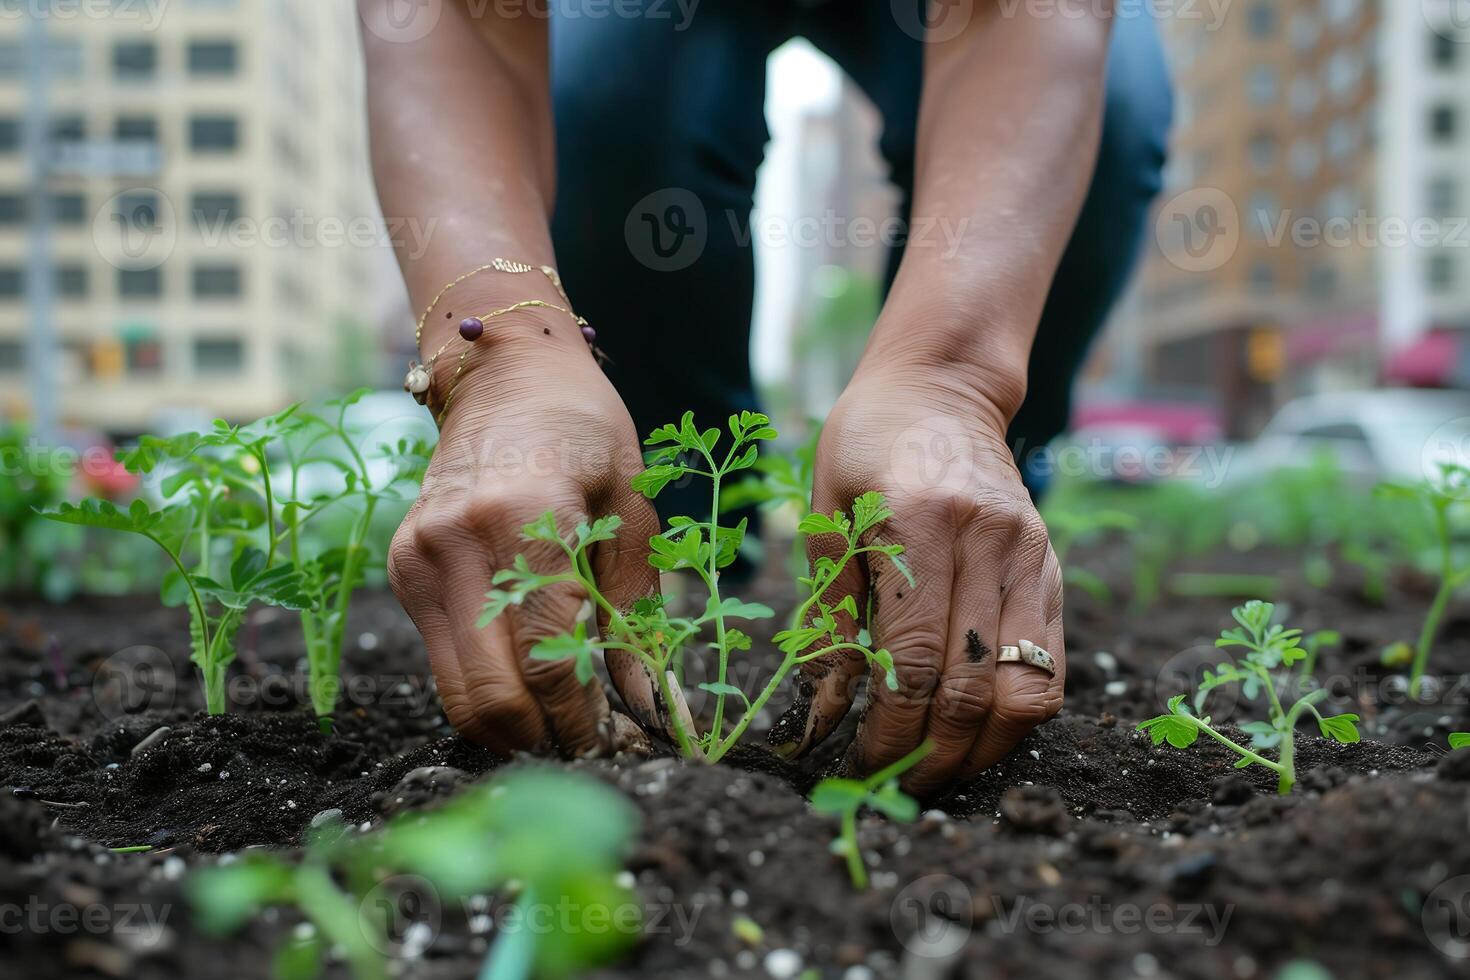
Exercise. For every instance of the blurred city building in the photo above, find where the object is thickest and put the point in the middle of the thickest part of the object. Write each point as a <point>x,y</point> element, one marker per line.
<point>1312,232</point>
<point>211,242</point>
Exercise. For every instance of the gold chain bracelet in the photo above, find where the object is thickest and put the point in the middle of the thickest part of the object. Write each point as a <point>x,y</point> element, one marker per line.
<point>420,377</point>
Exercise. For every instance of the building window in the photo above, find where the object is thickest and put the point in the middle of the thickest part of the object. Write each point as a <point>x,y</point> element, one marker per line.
<point>1443,122</point>
<point>12,282</point>
<point>1305,158</point>
<point>1322,280</point>
<point>1440,272</point>
<point>12,356</point>
<point>1441,197</point>
<point>140,283</point>
<point>1344,70</point>
<point>212,57</point>
<point>1261,18</point>
<point>1444,51</point>
<point>1304,96</point>
<point>9,135</point>
<point>134,60</point>
<point>1342,139</point>
<point>71,280</point>
<point>1305,31</point>
<point>12,209</point>
<point>215,281</point>
<point>1263,278</point>
<point>214,210</point>
<point>138,208</point>
<point>1262,152</point>
<point>69,208</point>
<point>143,355</point>
<point>136,129</point>
<point>1261,84</point>
<point>219,355</point>
<point>1262,214</point>
<point>68,128</point>
<point>213,133</point>
<point>1342,13</point>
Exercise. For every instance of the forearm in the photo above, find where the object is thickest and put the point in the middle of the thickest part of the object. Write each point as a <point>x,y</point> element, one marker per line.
<point>462,151</point>
<point>1008,131</point>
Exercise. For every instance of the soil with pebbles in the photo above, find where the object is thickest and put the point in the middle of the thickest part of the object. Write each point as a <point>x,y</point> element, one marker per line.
<point>1087,853</point>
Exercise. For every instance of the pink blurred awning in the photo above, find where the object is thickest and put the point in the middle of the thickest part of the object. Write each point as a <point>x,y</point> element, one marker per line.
<point>1314,340</point>
<point>1430,361</point>
<point>1179,422</point>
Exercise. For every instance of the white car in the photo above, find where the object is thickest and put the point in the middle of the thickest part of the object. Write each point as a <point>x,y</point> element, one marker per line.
<point>1393,434</point>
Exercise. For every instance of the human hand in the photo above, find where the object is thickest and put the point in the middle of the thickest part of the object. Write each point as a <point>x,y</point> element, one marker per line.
<point>533,426</point>
<point>985,571</point>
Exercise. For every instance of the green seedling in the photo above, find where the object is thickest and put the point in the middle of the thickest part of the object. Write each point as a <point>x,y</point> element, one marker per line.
<point>703,548</point>
<point>1069,527</point>
<point>331,572</point>
<point>1440,498</point>
<point>844,798</point>
<point>550,840</point>
<point>1458,740</point>
<point>218,485</point>
<point>1268,648</point>
<point>1313,644</point>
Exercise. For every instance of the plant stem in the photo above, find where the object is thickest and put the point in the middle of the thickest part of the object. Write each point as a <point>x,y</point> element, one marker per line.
<point>1239,749</point>
<point>1437,608</point>
<point>1287,755</point>
<point>855,868</point>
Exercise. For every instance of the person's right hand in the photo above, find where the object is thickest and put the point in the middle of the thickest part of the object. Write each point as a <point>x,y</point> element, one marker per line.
<point>533,426</point>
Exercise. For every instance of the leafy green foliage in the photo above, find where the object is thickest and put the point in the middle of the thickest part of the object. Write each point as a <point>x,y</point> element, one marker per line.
<point>844,798</point>
<point>702,547</point>
<point>1268,647</point>
<point>552,838</point>
<point>1459,740</point>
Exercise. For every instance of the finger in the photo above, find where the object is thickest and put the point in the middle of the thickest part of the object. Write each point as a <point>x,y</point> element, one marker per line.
<point>1025,696</point>
<point>826,687</point>
<point>416,584</point>
<point>623,574</point>
<point>494,686</point>
<point>966,688</point>
<point>912,623</point>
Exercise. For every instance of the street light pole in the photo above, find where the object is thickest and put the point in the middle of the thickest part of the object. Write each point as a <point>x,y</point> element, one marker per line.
<point>40,279</point>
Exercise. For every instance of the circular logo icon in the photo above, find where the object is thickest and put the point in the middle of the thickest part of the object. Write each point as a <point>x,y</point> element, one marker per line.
<point>1187,671</point>
<point>667,230</point>
<point>1446,917</point>
<point>933,452</point>
<point>933,915</point>
<point>1198,230</point>
<point>136,229</point>
<point>402,21</point>
<point>1450,19</point>
<point>401,915</point>
<point>941,20</point>
<point>1445,456</point>
<point>134,680</point>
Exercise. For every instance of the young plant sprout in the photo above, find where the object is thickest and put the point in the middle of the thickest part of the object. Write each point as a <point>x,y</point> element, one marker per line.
<point>330,573</point>
<point>549,839</point>
<point>843,798</point>
<point>660,641</point>
<point>223,510</point>
<point>1458,740</point>
<point>1267,647</point>
<point>218,485</point>
<point>1439,496</point>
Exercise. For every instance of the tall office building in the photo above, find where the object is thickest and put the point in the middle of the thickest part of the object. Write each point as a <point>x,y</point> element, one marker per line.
<point>214,243</point>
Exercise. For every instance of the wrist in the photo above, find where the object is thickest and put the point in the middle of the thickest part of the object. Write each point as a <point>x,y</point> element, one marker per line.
<point>977,360</point>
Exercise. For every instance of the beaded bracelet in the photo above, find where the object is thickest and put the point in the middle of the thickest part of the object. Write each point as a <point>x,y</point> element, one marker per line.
<point>420,376</point>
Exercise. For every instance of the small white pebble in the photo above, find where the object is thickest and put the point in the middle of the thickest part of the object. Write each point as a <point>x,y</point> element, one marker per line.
<point>224,774</point>
<point>782,964</point>
<point>1036,755</point>
<point>757,858</point>
<point>205,767</point>
<point>739,898</point>
<point>291,804</point>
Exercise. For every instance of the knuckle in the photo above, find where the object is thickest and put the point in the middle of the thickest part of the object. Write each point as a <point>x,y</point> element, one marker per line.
<point>508,714</point>
<point>963,699</point>
<point>1021,714</point>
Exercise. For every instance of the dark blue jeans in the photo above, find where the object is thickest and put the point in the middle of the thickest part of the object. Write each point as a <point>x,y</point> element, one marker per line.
<point>660,128</point>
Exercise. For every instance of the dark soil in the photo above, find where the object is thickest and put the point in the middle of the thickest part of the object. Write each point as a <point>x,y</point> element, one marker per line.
<point>1088,853</point>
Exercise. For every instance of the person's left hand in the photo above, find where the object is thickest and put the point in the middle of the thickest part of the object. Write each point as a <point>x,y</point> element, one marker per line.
<point>985,571</point>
